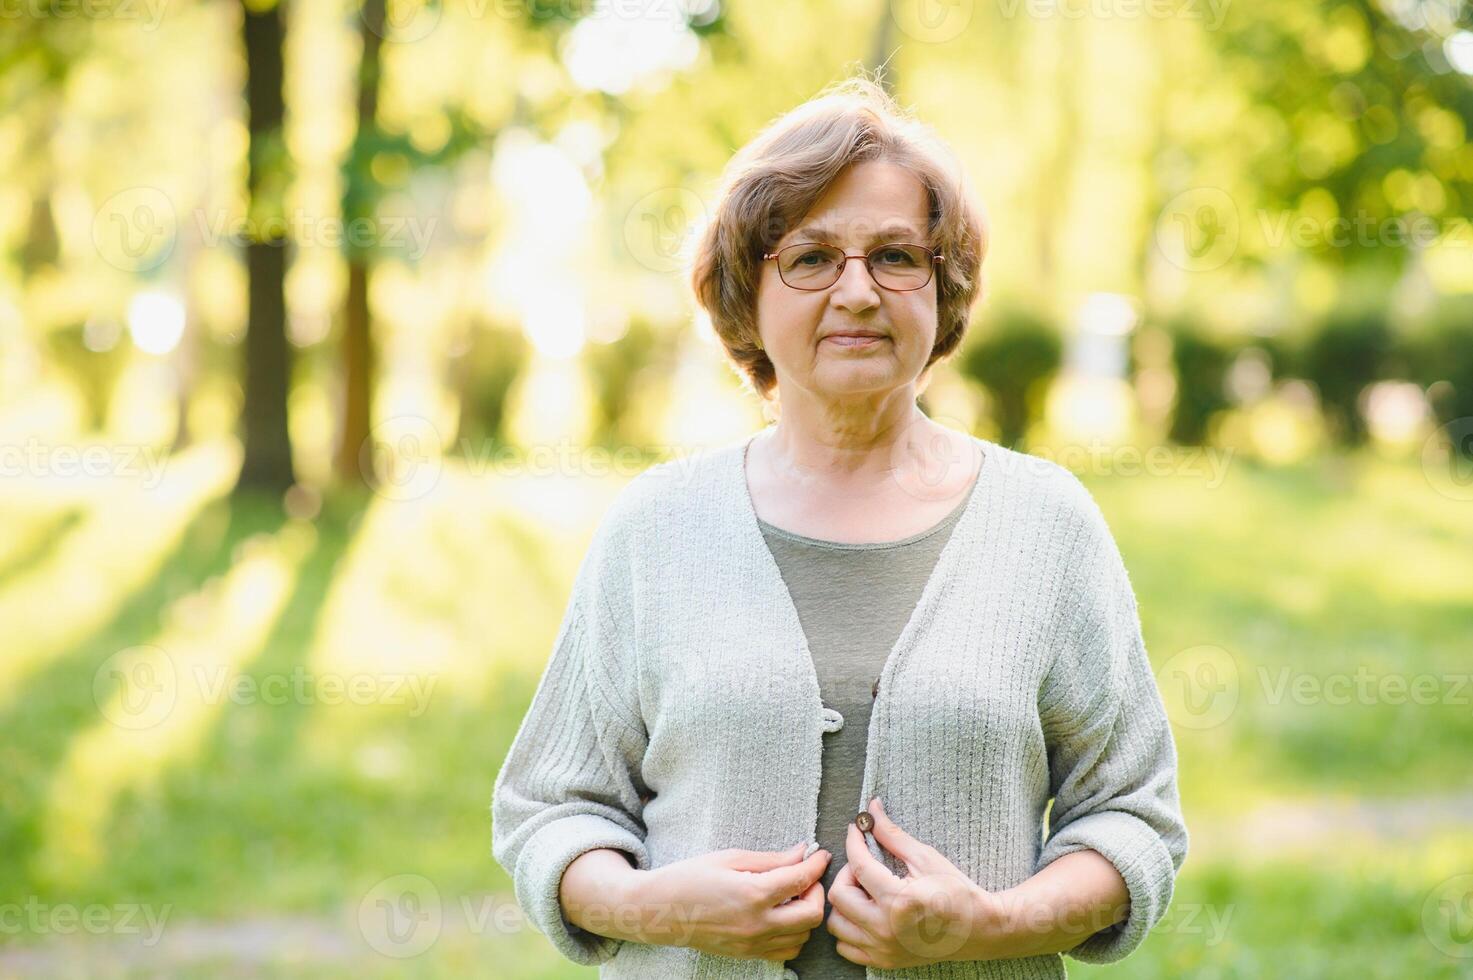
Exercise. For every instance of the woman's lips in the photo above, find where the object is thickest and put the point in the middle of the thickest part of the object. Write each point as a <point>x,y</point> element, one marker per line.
<point>854,340</point>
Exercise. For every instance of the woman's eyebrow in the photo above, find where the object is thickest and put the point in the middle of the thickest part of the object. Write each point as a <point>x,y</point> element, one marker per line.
<point>889,233</point>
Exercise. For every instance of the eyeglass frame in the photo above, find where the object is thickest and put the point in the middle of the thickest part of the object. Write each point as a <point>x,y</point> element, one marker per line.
<point>935,258</point>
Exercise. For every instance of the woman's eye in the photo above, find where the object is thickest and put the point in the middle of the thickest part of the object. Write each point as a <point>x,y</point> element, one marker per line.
<point>897,256</point>
<point>816,257</point>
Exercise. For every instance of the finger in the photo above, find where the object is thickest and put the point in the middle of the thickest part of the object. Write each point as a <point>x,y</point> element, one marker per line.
<point>872,876</point>
<point>805,913</point>
<point>854,904</point>
<point>919,857</point>
<point>852,953</point>
<point>846,889</point>
<point>742,860</point>
<point>789,939</point>
<point>846,929</point>
<point>785,882</point>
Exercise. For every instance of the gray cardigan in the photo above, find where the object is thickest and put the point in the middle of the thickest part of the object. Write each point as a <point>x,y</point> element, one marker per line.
<point>679,712</point>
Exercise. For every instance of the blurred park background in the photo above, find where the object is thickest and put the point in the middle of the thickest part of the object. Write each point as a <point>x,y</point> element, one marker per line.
<point>328,330</point>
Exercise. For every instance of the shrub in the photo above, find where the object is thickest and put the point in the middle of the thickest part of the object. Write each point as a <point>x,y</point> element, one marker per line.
<point>485,371</point>
<point>1346,352</point>
<point>1015,357</point>
<point>1201,364</point>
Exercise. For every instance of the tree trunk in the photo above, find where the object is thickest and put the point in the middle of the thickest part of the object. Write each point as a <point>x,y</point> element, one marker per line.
<point>268,454</point>
<point>881,44</point>
<point>357,343</point>
<point>1055,181</point>
<point>357,366</point>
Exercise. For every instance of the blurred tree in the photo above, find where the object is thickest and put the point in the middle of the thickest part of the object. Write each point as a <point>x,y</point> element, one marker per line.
<point>1349,351</point>
<point>881,62</point>
<point>267,440</point>
<point>94,372</point>
<point>1014,357</point>
<point>1442,361</point>
<point>619,371</point>
<point>1201,364</point>
<point>484,366</point>
<point>1356,115</point>
<point>36,58</point>
<point>360,201</point>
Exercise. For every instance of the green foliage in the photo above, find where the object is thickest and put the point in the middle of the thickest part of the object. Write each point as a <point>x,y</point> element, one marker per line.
<point>95,373</point>
<point>1014,358</point>
<point>1201,363</point>
<point>1442,362</point>
<point>1349,350</point>
<point>1349,101</point>
<point>484,372</point>
<point>621,370</point>
<point>362,190</point>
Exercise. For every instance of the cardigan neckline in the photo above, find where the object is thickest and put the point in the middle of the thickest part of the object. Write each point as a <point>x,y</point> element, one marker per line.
<point>984,491</point>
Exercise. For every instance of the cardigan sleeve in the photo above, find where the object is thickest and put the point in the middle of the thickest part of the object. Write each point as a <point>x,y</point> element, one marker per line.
<point>1112,762</point>
<point>571,781</point>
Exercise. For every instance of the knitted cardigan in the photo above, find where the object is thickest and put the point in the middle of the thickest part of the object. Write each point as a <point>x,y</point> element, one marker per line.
<point>679,712</point>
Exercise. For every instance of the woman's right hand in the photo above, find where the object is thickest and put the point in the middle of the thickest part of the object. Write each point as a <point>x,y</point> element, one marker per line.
<point>736,902</point>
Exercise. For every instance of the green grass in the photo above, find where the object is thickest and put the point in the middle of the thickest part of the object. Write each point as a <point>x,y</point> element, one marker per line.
<point>305,809</point>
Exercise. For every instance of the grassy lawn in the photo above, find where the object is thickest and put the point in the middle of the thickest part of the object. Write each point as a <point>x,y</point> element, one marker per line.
<point>339,813</point>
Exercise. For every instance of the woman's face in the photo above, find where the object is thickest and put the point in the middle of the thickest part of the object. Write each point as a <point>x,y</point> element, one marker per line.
<point>868,204</point>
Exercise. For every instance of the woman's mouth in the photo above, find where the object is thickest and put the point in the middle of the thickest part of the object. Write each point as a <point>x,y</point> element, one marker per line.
<point>854,341</point>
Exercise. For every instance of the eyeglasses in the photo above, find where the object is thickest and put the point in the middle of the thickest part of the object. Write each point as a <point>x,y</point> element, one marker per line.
<point>897,266</point>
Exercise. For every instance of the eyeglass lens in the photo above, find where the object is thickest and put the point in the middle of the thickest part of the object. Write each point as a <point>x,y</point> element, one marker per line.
<point>813,266</point>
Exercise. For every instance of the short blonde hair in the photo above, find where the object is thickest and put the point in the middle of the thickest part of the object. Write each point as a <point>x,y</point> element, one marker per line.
<point>773,181</point>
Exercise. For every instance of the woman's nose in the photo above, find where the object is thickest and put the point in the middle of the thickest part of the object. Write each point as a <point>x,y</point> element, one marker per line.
<point>856,288</point>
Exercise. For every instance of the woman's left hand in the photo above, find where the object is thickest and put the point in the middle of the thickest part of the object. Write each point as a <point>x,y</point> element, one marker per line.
<point>932,915</point>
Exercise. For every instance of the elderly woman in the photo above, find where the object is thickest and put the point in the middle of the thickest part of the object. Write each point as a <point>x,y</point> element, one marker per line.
<point>859,695</point>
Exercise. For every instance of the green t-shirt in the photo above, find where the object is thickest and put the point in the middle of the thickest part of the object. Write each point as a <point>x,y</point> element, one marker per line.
<point>853,600</point>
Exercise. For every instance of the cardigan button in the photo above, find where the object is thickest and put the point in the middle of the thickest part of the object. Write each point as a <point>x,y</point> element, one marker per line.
<point>864,821</point>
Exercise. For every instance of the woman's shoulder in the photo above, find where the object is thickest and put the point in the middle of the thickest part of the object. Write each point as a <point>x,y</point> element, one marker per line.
<point>674,493</point>
<point>1043,489</point>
